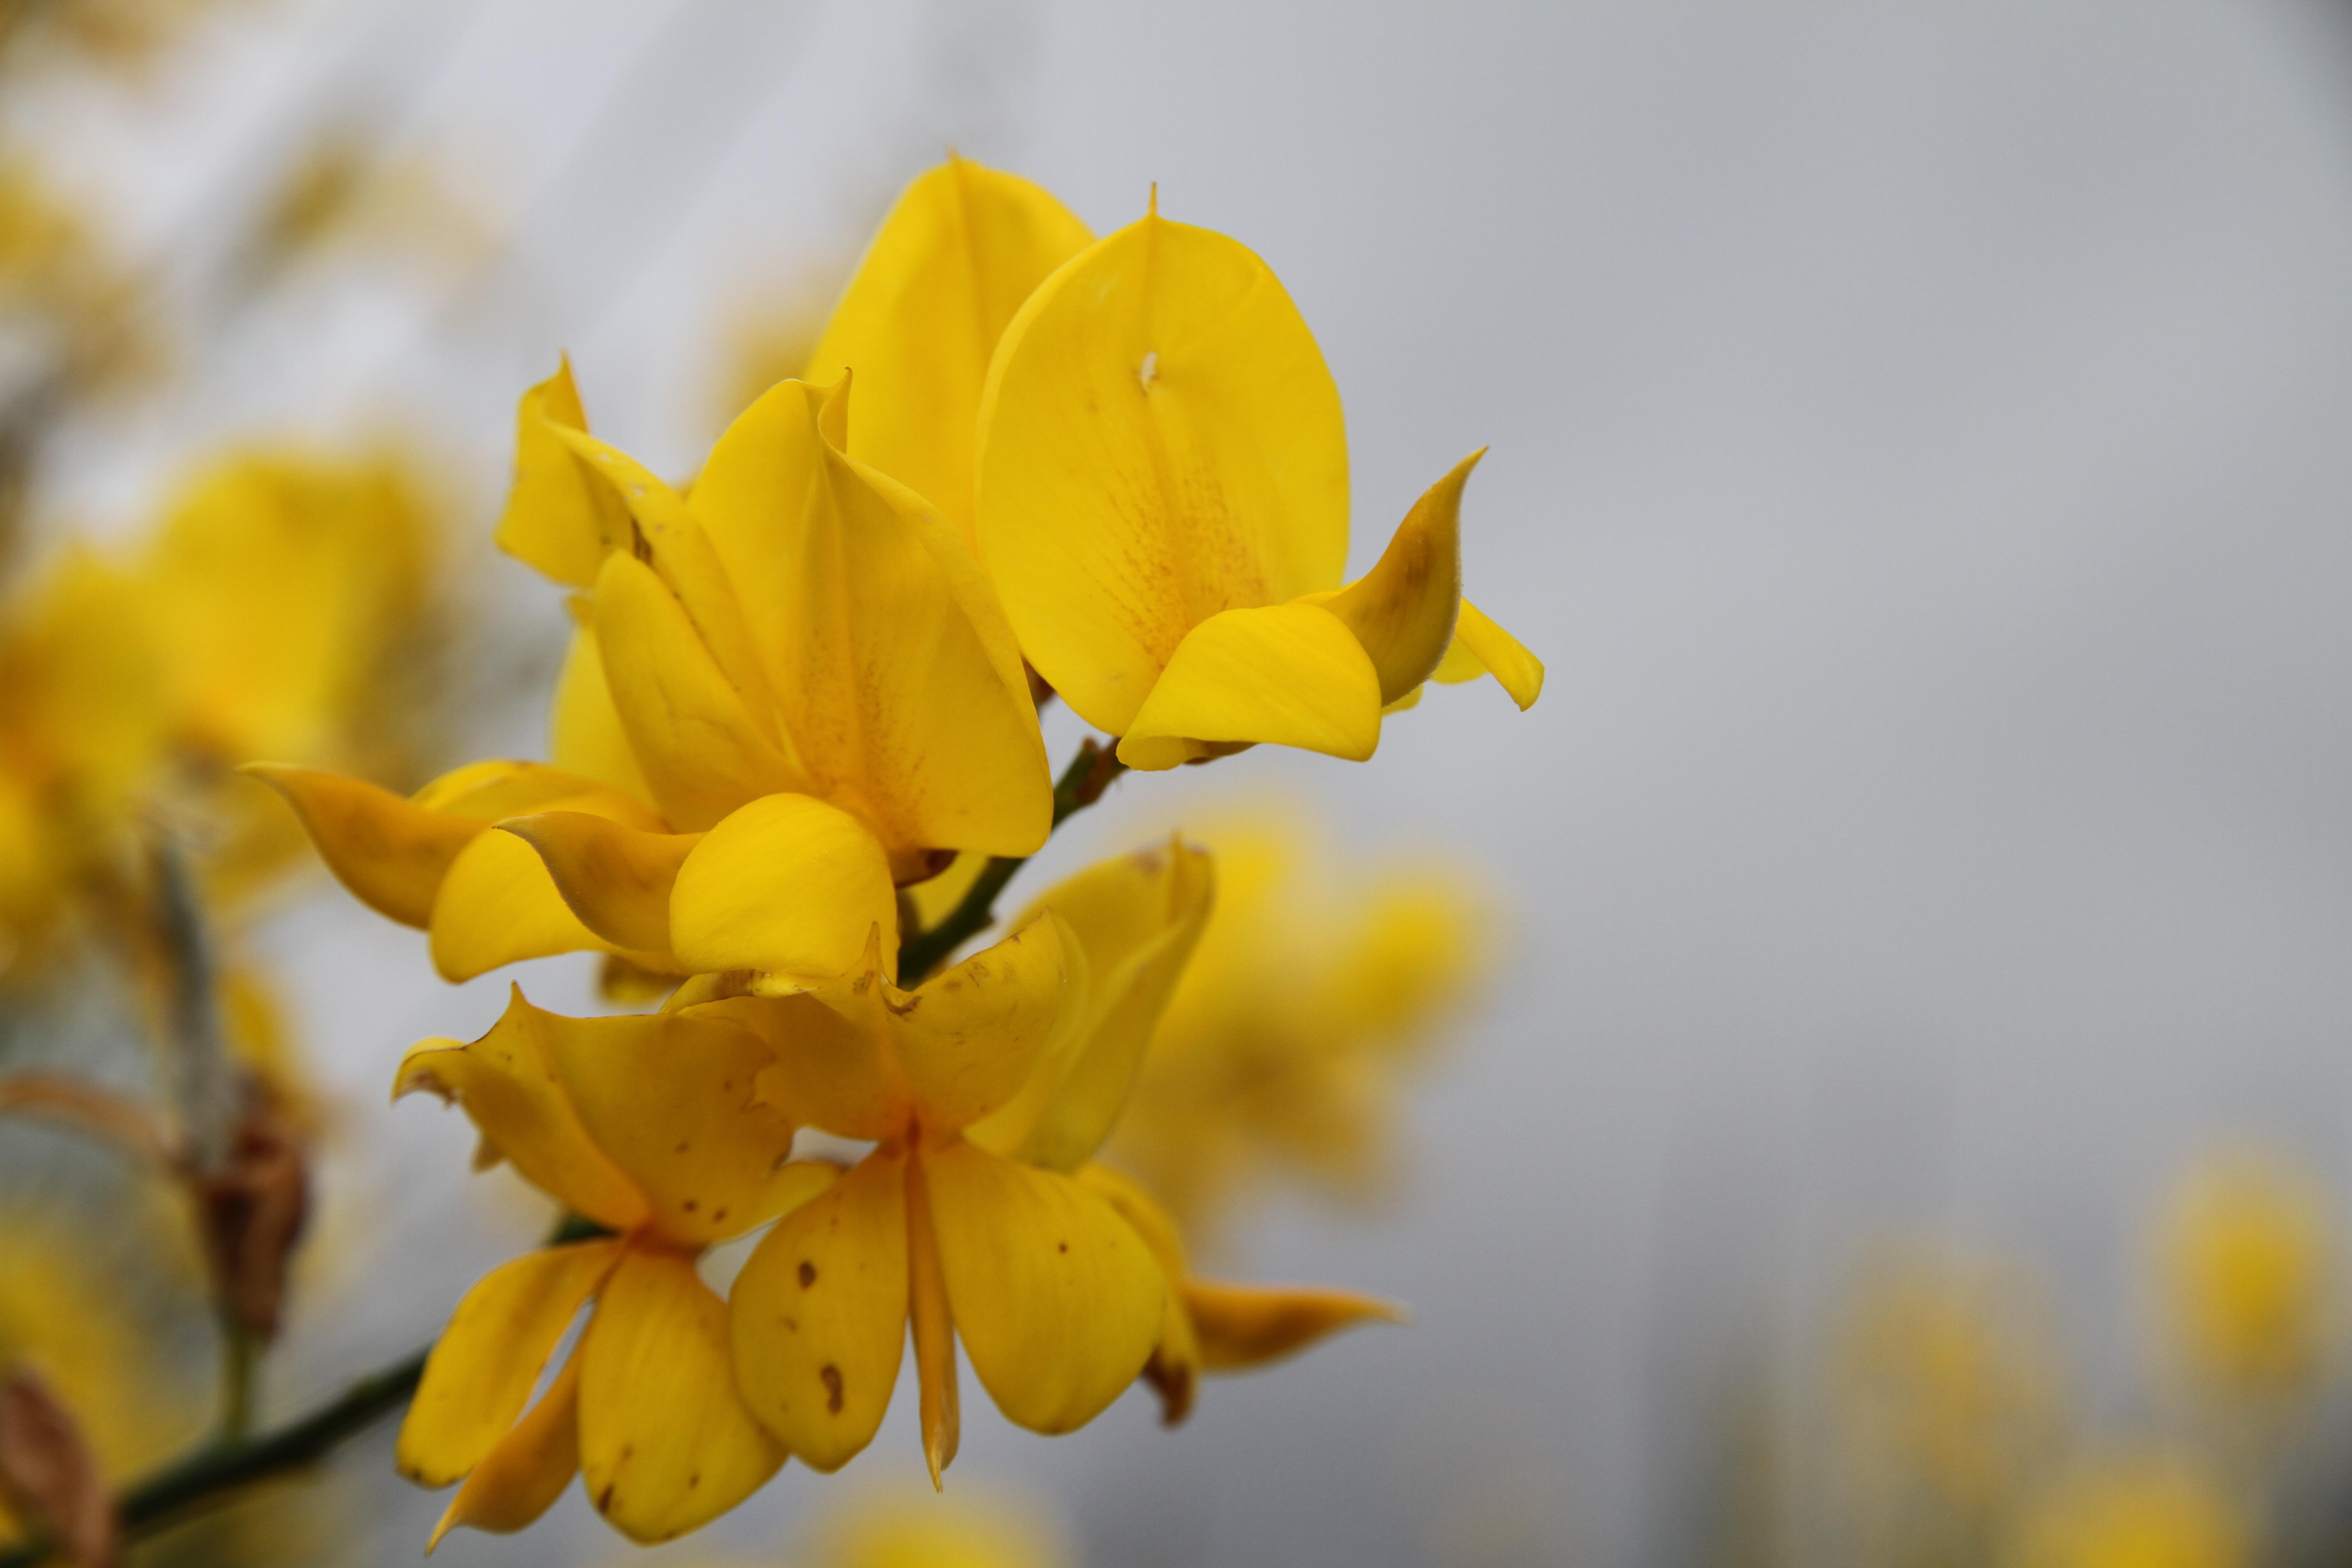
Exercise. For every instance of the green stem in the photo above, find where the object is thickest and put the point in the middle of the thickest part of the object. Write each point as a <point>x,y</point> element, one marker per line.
<point>204,1477</point>
<point>1080,785</point>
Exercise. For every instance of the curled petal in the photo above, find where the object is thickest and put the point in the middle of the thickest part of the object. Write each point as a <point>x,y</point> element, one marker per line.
<point>787,885</point>
<point>616,879</point>
<point>1404,609</point>
<point>499,906</point>
<point>963,248</point>
<point>521,1478</point>
<point>819,1315</point>
<point>482,1369</point>
<point>666,1444</point>
<point>507,1082</point>
<point>1482,647</point>
<point>967,1039</point>
<point>390,852</point>
<point>557,518</point>
<point>670,1097</point>
<point>1248,1325</point>
<point>1161,441</point>
<point>1057,1300</point>
<point>1291,676</point>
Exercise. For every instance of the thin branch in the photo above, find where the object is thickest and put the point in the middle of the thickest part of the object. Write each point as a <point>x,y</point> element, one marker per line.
<point>1081,784</point>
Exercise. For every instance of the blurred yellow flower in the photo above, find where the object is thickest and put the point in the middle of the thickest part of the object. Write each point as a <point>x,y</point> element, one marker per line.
<point>651,1128</point>
<point>1162,502</point>
<point>2250,1268</point>
<point>74,321</point>
<point>888,1528</point>
<point>2147,1511</point>
<point>1281,1049</point>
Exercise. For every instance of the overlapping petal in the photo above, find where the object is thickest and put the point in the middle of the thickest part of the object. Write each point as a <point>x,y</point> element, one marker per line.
<point>521,1478</point>
<point>557,519</point>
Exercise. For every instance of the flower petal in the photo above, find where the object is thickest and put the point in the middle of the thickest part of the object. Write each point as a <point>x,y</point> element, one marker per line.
<point>967,1039</point>
<point>702,751</point>
<point>1138,918</point>
<point>1056,1299</point>
<point>499,906</point>
<point>898,679</point>
<point>1248,1325</point>
<point>486,1363</point>
<point>1404,609</point>
<point>616,879</point>
<point>820,1315</point>
<point>506,1082</point>
<point>786,885</point>
<point>666,1444</point>
<point>1174,1369</point>
<point>670,1097</point>
<point>557,518</point>
<point>390,852</point>
<point>829,1073</point>
<point>584,733</point>
<point>521,1478</point>
<point>1482,647</point>
<point>963,248</point>
<point>1291,676</point>
<point>1160,442</point>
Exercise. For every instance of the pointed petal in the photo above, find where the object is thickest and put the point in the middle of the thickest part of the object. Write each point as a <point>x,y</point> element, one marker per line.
<point>1161,441</point>
<point>557,519</point>
<point>787,885</point>
<point>1291,676</point>
<point>616,879</point>
<point>390,852</point>
<point>666,1444</point>
<point>702,752</point>
<point>1056,1299</point>
<point>499,906</point>
<point>940,1400</point>
<point>521,1478</point>
<point>1138,918</point>
<point>486,1363</point>
<point>506,1082</point>
<point>967,1039</point>
<point>1482,647</point>
<point>1174,1369</point>
<point>1403,610</point>
<point>819,1315</point>
<point>1248,1325</point>
<point>959,253</point>
<point>669,1099</point>
<point>897,676</point>
<point>584,733</point>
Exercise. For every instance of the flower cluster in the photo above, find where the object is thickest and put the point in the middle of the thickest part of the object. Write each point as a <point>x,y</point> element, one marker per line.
<point>1023,461</point>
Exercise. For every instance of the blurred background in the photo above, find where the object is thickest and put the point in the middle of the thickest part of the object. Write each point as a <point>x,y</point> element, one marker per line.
<point>1902,1114</point>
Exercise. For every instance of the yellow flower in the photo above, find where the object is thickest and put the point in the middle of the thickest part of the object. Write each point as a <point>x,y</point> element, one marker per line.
<point>800,666</point>
<point>1282,1045</point>
<point>2147,1512</point>
<point>1162,503</point>
<point>1056,1300</point>
<point>80,734</point>
<point>890,1530</point>
<point>649,1126</point>
<point>2249,1261</point>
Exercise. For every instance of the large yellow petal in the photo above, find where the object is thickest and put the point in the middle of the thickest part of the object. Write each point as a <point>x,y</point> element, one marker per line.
<point>1160,442</point>
<point>390,852</point>
<point>829,1071</point>
<point>963,248</point>
<point>616,879</point>
<point>786,885</point>
<point>702,751</point>
<point>1404,609</point>
<point>506,1081</point>
<point>584,733</point>
<point>499,906</point>
<point>1056,1299</point>
<point>665,1443</point>
<point>1248,1325</point>
<point>1482,647</point>
<point>819,1314</point>
<point>557,518</point>
<point>670,1098</point>
<point>521,1478</point>
<point>900,681</point>
<point>1291,676</point>
<point>1138,918</point>
<point>486,1363</point>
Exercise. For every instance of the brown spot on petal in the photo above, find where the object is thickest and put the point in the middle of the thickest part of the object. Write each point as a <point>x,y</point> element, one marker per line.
<point>605,1499</point>
<point>830,1375</point>
<point>807,1273</point>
